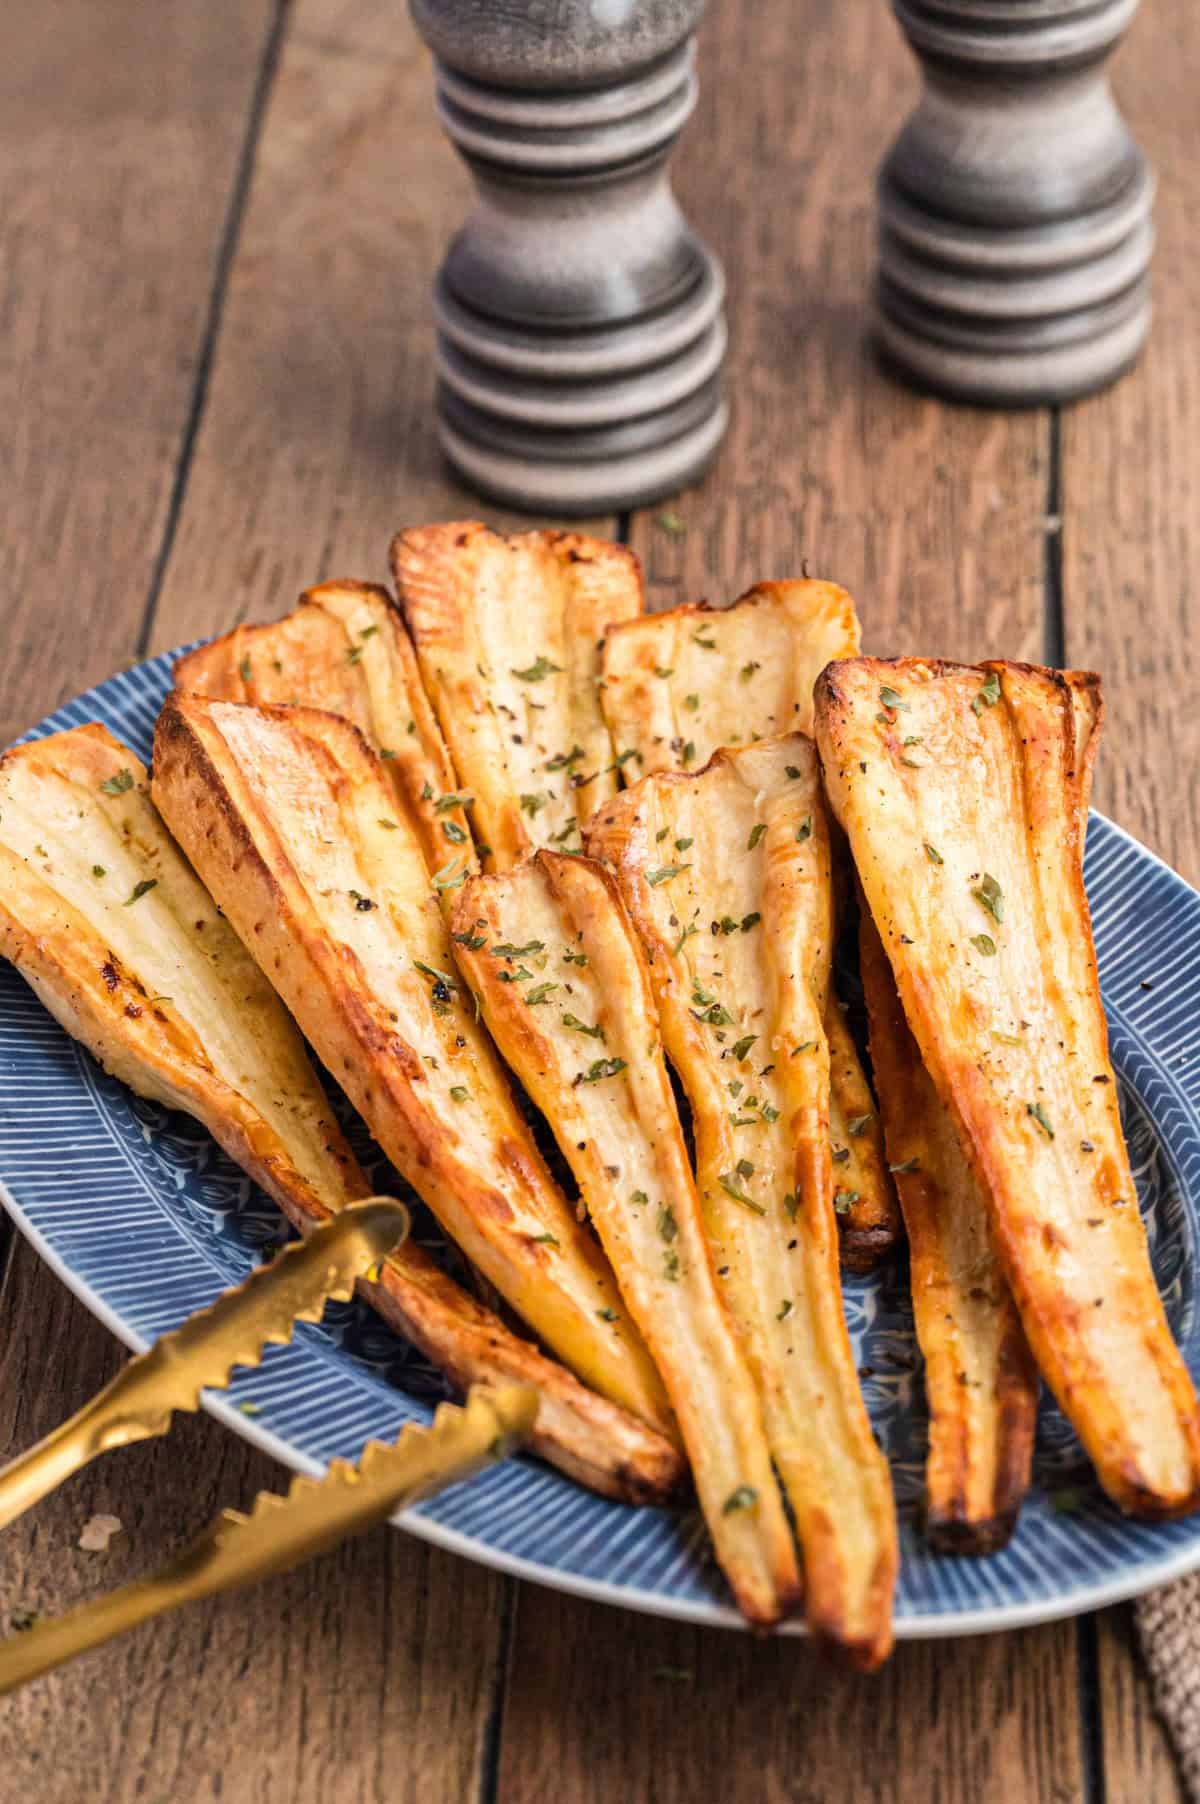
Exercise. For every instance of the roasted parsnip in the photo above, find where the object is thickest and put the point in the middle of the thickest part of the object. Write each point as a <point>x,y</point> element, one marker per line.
<point>554,959</point>
<point>283,813</point>
<point>981,1384</point>
<point>727,877</point>
<point>107,922</point>
<point>344,648</point>
<point>960,789</point>
<point>679,685</point>
<point>508,634</point>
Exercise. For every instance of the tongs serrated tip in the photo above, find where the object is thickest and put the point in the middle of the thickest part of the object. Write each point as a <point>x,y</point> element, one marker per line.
<point>203,1351</point>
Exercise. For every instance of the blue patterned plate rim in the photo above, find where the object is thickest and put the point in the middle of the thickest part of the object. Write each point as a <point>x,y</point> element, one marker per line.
<point>1072,1551</point>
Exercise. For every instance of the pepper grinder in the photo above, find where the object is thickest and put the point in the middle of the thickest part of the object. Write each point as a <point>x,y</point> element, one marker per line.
<point>580,332</point>
<point>1014,207</point>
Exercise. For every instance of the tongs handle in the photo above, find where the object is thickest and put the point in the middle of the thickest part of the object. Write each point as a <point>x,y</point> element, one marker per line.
<point>281,1531</point>
<point>202,1353</point>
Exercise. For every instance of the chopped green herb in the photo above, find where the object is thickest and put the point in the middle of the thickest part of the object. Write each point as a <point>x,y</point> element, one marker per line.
<point>989,895</point>
<point>368,632</point>
<point>668,1227</point>
<point>750,920</point>
<point>244,669</point>
<point>689,752</point>
<point>474,942</point>
<point>544,1240</point>
<point>681,845</point>
<point>989,695</point>
<point>728,1181</point>
<point>453,832</point>
<point>363,903</point>
<point>671,1265</point>
<point>741,1047</point>
<point>522,974</point>
<point>743,1167</point>
<point>541,667</point>
<point>98,870</point>
<point>665,873</point>
<point>756,833</point>
<point>807,1046</point>
<point>600,1069</point>
<point>661,835</point>
<point>539,993</point>
<point>983,942</point>
<point>449,877</point>
<point>699,639</point>
<point>435,976</point>
<point>581,1027</point>
<point>506,949</point>
<point>459,1093</point>
<point>842,1200</point>
<point>1006,1039</point>
<point>117,786</point>
<point>891,698</point>
<point>354,654</point>
<point>686,935</point>
<point>532,804</point>
<point>385,751</point>
<point>906,1165</point>
<point>744,1498</point>
<point>664,671</point>
<point>607,1315</point>
<point>804,830</point>
<point>384,822</point>
<point>784,1310</point>
<point>639,1197</point>
<point>933,855</point>
<point>748,670</point>
<point>858,1124</point>
<point>445,803</point>
<point>1038,1112</point>
<point>139,890</point>
<point>791,1203</point>
<point>691,703</point>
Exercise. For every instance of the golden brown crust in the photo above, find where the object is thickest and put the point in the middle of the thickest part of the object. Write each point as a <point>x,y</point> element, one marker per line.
<point>279,811</point>
<point>551,953</point>
<point>678,685</point>
<point>219,1045</point>
<point>990,943</point>
<point>727,878</point>
<point>508,632</point>
<point>980,1380</point>
<point>344,648</point>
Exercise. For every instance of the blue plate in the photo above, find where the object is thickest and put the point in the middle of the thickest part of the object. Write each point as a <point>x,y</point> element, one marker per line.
<point>146,1220</point>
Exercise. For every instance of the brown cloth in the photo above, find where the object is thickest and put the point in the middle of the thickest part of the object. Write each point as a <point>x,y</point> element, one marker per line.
<point>1168,1622</point>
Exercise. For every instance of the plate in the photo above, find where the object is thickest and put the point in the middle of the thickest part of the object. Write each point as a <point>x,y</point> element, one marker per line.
<point>140,1214</point>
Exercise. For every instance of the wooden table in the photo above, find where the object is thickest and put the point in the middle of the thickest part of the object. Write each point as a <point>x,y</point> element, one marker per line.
<point>217,228</point>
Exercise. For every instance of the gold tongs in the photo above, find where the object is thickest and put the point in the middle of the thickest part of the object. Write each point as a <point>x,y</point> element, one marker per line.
<point>279,1531</point>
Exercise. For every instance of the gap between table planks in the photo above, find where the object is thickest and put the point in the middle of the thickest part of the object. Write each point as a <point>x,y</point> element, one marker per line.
<point>296,441</point>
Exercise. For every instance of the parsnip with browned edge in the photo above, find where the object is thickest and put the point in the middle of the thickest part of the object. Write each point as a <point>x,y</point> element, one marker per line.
<point>508,633</point>
<point>727,877</point>
<point>284,814</point>
<point>960,789</point>
<point>106,921</point>
<point>344,648</point>
<point>550,951</point>
<point>679,685</point>
<point>981,1384</point>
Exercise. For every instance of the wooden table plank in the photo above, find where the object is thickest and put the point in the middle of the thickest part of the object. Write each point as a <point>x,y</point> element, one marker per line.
<point>372,1674</point>
<point>1131,557</point>
<point>934,518</point>
<point>363,1676</point>
<point>687,1713</point>
<point>120,134</point>
<point>318,444</point>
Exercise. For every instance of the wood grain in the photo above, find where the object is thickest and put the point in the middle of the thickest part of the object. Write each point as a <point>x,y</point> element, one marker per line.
<point>689,1713</point>
<point>317,443</point>
<point>1131,584</point>
<point>933,517</point>
<point>121,127</point>
<point>1131,485</point>
<point>363,1676</point>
